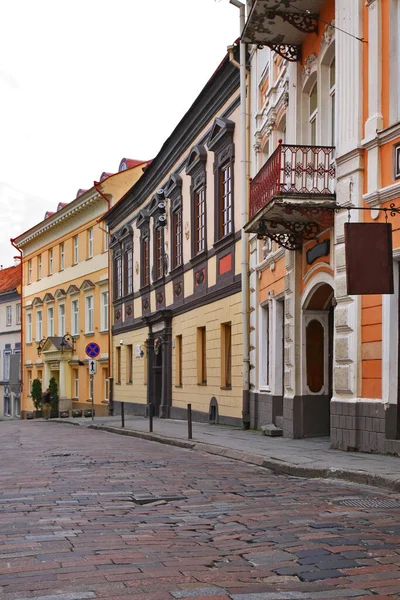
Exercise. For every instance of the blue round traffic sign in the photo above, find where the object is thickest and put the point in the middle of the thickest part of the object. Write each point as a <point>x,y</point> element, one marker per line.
<point>92,350</point>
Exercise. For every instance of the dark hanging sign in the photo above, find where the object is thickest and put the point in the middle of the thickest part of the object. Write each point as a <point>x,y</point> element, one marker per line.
<point>369,258</point>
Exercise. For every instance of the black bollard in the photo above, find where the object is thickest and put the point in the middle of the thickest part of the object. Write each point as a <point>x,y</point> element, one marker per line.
<point>122,414</point>
<point>189,417</point>
<point>151,417</point>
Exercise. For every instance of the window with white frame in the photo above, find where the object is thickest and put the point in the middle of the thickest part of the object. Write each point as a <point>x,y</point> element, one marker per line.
<point>50,321</point>
<point>6,364</point>
<point>9,315</point>
<point>75,244</point>
<point>104,311</point>
<point>51,261</point>
<point>61,319</point>
<point>29,271</point>
<point>39,266</point>
<point>332,100</point>
<point>75,383</point>
<point>313,114</point>
<point>75,317</point>
<point>18,314</point>
<point>265,346</point>
<point>39,326</point>
<point>29,328</point>
<point>62,257</point>
<point>89,314</point>
<point>106,385</point>
<point>90,242</point>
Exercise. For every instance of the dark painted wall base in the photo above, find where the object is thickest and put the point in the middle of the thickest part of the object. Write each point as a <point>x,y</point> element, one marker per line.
<point>364,426</point>
<point>264,408</point>
<point>306,416</point>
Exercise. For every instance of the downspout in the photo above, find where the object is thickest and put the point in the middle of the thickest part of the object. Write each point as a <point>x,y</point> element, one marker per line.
<point>22,321</point>
<point>244,219</point>
<point>96,187</point>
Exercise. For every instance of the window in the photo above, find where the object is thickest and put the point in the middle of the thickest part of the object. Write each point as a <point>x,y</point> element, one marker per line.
<point>40,377</point>
<point>178,360</point>
<point>75,383</point>
<point>9,315</point>
<point>18,314</point>
<point>105,239</point>
<point>118,274</point>
<point>6,371</point>
<point>29,328</point>
<point>118,364</point>
<point>201,356</point>
<point>129,269</point>
<point>332,88</point>
<point>29,379</point>
<point>129,363</point>
<point>145,261</point>
<point>75,244</point>
<point>39,330</point>
<point>75,317</point>
<point>89,314</point>
<point>106,385</point>
<point>159,252</point>
<point>51,262</point>
<point>61,319</point>
<point>50,321</point>
<point>177,238</point>
<point>226,358</point>
<point>225,200</point>
<point>62,257</point>
<point>313,112</point>
<point>29,271</point>
<point>90,242</point>
<point>39,266</point>
<point>104,311</point>
<point>199,221</point>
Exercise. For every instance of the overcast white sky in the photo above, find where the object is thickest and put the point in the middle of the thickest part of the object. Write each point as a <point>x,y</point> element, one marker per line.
<point>85,83</point>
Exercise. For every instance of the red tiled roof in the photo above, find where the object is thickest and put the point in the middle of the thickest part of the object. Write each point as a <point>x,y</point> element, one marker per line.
<point>10,278</point>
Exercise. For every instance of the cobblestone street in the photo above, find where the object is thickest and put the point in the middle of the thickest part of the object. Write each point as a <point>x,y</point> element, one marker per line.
<point>89,514</point>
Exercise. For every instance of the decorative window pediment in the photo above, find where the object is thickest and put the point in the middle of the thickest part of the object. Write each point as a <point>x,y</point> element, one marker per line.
<point>125,232</point>
<point>59,294</point>
<point>197,158</point>
<point>48,298</point>
<point>142,218</point>
<point>173,186</point>
<point>87,285</point>
<point>37,301</point>
<point>114,240</point>
<point>72,289</point>
<point>220,129</point>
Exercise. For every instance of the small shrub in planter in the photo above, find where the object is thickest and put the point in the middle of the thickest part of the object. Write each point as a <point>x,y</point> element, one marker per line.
<point>77,412</point>
<point>88,412</point>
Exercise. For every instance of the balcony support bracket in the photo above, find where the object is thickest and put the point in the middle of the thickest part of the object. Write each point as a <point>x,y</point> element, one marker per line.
<point>290,52</point>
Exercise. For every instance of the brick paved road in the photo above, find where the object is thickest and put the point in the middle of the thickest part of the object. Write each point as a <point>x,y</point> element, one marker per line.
<point>70,530</point>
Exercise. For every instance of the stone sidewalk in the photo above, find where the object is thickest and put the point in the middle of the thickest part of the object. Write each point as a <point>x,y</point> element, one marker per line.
<point>305,458</point>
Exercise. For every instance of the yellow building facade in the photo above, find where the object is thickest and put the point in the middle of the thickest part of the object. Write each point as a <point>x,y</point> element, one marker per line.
<point>65,296</point>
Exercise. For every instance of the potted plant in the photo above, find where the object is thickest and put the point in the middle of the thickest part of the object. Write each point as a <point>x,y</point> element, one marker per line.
<point>37,395</point>
<point>53,387</point>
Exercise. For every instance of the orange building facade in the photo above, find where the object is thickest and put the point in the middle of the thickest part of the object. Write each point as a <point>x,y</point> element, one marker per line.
<point>324,138</point>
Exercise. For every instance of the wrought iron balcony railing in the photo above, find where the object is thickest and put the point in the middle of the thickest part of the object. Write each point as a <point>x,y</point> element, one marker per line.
<point>294,172</point>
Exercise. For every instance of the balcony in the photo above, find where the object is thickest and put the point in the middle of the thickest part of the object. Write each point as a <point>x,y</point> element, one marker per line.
<point>292,197</point>
<point>282,25</point>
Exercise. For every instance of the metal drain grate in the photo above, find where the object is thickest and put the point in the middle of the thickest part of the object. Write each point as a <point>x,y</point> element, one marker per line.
<point>370,503</point>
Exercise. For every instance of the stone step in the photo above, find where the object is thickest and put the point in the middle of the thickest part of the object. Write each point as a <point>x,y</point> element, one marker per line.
<point>271,430</point>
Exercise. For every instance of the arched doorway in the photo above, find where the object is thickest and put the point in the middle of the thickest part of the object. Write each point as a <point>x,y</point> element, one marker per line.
<point>317,360</point>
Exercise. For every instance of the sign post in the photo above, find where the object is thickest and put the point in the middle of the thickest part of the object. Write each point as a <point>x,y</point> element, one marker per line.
<point>92,350</point>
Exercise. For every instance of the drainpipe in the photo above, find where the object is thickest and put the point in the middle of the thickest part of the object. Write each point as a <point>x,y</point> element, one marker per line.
<point>21,355</point>
<point>244,219</point>
<point>96,185</point>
